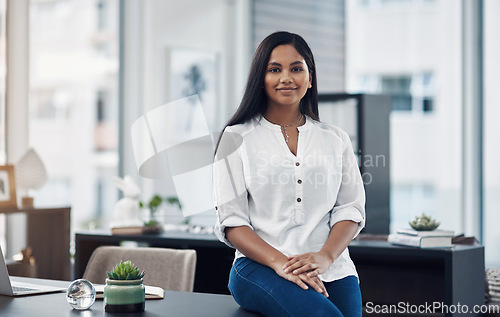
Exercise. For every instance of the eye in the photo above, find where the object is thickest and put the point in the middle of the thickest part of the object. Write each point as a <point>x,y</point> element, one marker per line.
<point>297,69</point>
<point>274,70</point>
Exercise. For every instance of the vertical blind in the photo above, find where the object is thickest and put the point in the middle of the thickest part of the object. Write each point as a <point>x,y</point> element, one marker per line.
<point>321,23</point>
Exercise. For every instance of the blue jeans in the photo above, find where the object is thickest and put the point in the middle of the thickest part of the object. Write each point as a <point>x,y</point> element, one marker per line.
<point>258,288</point>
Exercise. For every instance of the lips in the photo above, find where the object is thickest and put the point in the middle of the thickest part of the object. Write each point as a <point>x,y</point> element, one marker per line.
<point>286,89</point>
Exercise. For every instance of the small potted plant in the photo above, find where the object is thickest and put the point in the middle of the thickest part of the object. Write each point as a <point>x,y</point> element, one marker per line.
<point>153,206</point>
<point>124,291</point>
<point>424,223</point>
<point>154,219</point>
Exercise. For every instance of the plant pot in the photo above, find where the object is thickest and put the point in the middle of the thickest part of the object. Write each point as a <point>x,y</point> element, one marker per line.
<point>124,296</point>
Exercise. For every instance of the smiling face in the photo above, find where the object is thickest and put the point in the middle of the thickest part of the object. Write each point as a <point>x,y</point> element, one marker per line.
<point>287,77</point>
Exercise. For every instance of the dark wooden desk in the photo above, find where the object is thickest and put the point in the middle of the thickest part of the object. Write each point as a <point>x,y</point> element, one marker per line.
<point>392,274</point>
<point>174,304</point>
<point>388,274</point>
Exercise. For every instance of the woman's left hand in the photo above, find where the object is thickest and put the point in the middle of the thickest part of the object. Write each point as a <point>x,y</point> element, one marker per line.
<point>314,263</point>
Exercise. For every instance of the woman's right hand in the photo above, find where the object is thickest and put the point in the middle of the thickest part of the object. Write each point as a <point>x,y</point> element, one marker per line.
<point>252,246</point>
<point>304,281</point>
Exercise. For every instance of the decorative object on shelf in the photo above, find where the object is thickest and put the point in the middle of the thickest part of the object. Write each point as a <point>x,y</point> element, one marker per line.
<point>81,294</point>
<point>154,215</point>
<point>124,291</point>
<point>493,284</point>
<point>30,175</point>
<point>126,210</point>
<point>423,234</point>
<point>24,264</point>
<point>7,187</point>
<point>424,223</point>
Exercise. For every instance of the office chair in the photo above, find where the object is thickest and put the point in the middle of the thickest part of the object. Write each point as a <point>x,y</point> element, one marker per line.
<point>169,269</point>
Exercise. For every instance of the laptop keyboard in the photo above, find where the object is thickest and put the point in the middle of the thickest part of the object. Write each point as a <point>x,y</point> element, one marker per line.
<point>22,289</point>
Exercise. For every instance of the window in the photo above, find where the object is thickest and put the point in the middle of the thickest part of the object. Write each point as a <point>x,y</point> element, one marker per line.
<point>491,178</point>
<point>3,128</point>
<point>409,92</point>
<point>399,88</point>
<point>73,107</point>
<point>387,3</point>
<point>3,72</point>
<point>408,49</point>
<point>410,200</point>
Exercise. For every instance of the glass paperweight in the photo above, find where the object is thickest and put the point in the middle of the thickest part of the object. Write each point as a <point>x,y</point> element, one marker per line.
<point>80,294</point>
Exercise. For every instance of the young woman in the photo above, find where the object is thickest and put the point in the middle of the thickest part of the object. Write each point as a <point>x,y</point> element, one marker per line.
<point>289,195</point>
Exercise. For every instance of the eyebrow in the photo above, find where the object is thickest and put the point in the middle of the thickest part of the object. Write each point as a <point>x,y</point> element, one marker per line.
<point>278,64</point>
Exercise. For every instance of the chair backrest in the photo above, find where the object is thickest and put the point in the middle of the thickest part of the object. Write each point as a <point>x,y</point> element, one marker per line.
<point>169,269</point>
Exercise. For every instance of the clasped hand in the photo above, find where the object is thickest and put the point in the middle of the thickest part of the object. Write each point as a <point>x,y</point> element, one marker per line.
<point>304,269</point>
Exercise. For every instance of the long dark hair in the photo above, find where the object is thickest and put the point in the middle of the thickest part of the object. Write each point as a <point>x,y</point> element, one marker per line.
<point>254,99</point>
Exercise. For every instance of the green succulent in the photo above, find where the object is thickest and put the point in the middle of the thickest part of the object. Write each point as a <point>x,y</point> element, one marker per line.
<point>125,271</point>
<point>424,223</point>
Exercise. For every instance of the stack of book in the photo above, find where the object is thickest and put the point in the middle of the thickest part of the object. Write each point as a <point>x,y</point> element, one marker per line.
<point>422,239</point>
<point>493,278</point>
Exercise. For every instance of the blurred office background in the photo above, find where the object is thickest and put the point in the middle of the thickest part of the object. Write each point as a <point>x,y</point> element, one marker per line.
<point>95,66</point>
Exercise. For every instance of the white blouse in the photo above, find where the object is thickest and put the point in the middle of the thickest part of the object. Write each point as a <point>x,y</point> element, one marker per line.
<point>290,201</point>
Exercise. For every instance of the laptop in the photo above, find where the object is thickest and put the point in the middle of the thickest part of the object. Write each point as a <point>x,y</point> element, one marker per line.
<point>21,289</point>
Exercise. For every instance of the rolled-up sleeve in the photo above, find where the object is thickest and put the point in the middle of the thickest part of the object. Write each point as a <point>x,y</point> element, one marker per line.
<point>350,204</point>
<point>231,201</point>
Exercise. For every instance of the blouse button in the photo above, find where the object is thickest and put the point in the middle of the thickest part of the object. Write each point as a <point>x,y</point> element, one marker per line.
<point>297,164</point>
<point>299,181</point>
<point>299,200</point>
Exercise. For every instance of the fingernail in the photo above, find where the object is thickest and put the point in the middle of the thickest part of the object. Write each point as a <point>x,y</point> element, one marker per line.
<point>287,270</point>
<point>295,272</point>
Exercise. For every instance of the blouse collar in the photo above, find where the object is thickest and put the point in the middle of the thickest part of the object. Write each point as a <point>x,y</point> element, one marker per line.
<point>263,121</point>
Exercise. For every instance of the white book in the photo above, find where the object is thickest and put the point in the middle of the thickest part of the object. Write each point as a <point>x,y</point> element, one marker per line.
<point>432,233</point>
<point>420,242</point>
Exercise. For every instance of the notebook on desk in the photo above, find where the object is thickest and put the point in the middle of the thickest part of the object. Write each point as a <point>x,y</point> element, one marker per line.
<point>21,289</point>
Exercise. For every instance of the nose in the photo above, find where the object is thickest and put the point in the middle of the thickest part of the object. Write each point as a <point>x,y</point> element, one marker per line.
<point>285,77</point>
